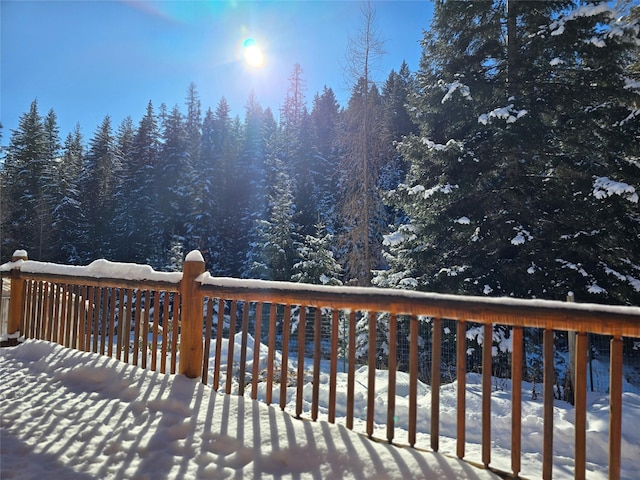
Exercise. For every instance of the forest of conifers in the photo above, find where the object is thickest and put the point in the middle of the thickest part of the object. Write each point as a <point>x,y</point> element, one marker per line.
<point>508,164</point>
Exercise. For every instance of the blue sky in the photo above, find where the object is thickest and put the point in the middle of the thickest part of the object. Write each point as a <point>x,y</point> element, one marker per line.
<point>87,59</point>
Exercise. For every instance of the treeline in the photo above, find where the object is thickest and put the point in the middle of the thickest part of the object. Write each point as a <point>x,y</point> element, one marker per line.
<point>509,164</point>
<point>256,196</point>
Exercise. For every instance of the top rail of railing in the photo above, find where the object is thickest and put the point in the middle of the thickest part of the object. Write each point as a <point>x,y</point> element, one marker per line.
<point>593,318</point>
<point>585,317</point>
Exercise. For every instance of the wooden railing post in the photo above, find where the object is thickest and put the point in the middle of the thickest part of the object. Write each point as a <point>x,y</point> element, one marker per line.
<point>191,317</point>
<point>16,300</point>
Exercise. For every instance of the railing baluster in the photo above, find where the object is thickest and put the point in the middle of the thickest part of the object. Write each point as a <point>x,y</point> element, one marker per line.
<point>371,371</point>
<point>145,328</point>
<point>315,395</point>
<point>207,341</point>
<point>55,324</point>
<point>154,330</point>
<point>165,332</point>
<point>548,398</point>
<point>333,367</point>
<point>177,299</point>
<point>45,317</point>
<point>580,403</point>
<point>121,321</point>
<point>393,358</point>
<point>256,351</point>
<point>91,339</point>
<point>272,352</point>
<point>284,371</point>
<point>461,377</point>
<point>436,354</point>
<point>89,322</point>
<point>243,348</point>
<point>231,344</point>
<point>77,340</point>
<point>65,316</point>
<point>219,333</point>
<point>413,379</point>
<point>103,321</point>
<point>351,369</point>
<point>615,408</point>
<point>37,312</point>
<point>517,346</point>
<point>112,313</point>
<point>127,303</point>
<point>300,377</point>
<point>136,326</point>
<point>96,320</point>
<point>487,346</point>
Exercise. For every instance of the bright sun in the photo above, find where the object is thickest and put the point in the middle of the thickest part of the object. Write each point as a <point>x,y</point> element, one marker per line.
<point>253,53</point>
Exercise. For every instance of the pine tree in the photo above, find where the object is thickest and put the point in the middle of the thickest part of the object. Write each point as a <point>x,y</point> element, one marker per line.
<point>522,179</point>
<point>98,182</point>
<point>67,214</point>
<point>317,263</point>
<point>28,171</point>
<point>274,253</point>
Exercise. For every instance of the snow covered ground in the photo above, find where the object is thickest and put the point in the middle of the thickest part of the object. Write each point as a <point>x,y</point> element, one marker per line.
<point>69,414</point>
<point>75,415</point>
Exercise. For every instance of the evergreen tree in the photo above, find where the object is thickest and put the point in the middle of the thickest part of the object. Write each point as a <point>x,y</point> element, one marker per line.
<point>522,179</point>
<point>274,253</point>
<point>318,264</point>
<point>67,214</point>
<point>98,182</point>
<point>28,169</point>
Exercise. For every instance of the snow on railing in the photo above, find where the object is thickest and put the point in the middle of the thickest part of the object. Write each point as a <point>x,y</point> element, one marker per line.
<point>289,343</point>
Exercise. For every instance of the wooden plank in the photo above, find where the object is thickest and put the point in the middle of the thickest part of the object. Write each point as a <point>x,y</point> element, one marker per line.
<point>300,377</point>
<point>88,331</point>
<point>371,371</point>
<point>256,351</point>
<point>230,344</point>
<point>244,338</point>
<point>461,377</point>
<point>333,365</point>
<point>317,354</point>
<point>436,359</point>
<point>517,346</point>
<point>615,409</point>
<point>38,318</point>
<point>284,370</point>
<point>580,404</point>
<point>393,364</point>
<point>548,398</point>
<point>45,318</point>
<point>487,347</point>
<point>413,379</point>
<point>77,321</point>
<point>351,369</point>
<point>206,348</point>
<point>272,352</point>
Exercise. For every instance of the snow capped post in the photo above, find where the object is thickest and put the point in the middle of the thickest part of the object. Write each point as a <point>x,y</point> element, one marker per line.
<point>191,317</point>
<point>16,300</point>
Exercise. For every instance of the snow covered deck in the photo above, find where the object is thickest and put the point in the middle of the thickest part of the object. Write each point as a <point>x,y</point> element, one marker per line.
<point>326,354</point>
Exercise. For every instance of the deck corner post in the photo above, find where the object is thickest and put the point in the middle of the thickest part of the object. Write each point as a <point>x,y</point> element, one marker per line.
<point>191,347</point>
<point>16,299</point>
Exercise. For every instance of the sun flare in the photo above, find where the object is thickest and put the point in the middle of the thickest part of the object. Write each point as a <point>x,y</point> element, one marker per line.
<point>253,53</point>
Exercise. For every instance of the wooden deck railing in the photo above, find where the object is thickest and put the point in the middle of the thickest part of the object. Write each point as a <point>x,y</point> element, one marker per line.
<point>172,322</point>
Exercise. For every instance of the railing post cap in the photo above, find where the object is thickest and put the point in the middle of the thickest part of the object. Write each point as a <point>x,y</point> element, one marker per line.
<point>19,255</point>
<point>194,256</point>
